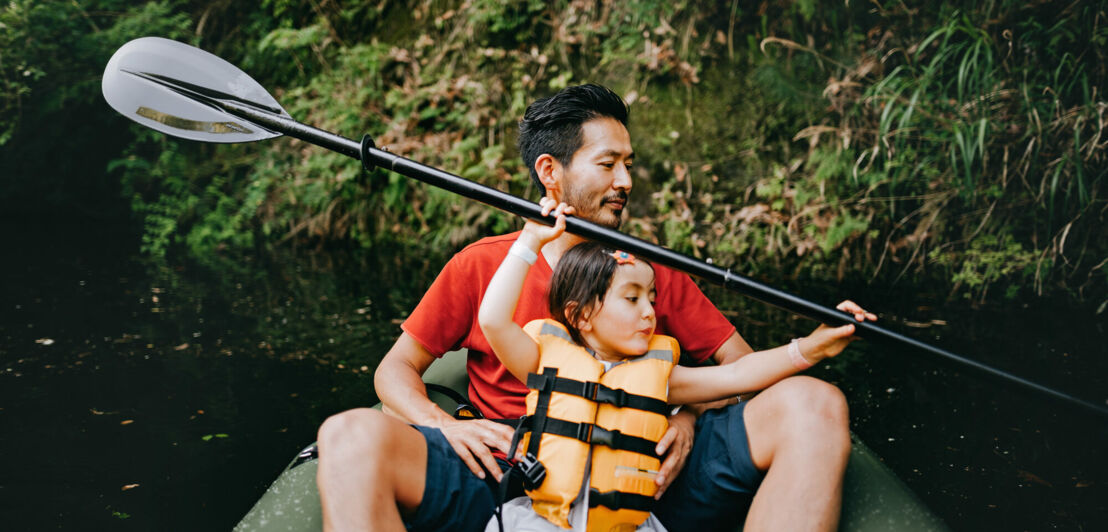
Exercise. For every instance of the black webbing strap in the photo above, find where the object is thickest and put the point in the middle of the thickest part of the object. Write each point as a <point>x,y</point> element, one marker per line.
<point>594,391</point>
<point>529,470</point>
<point>620,500</point>
<point>542,406</point>
<point>464,409</point>
<point>592,434</point>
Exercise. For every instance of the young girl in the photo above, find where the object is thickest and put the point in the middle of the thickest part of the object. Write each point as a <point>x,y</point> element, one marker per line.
<point>600,401</point>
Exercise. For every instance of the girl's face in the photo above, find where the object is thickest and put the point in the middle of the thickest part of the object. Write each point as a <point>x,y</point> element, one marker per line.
<point>621,326</point>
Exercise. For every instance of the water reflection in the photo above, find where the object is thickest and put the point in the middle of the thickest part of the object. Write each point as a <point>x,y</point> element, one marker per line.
<point>142,396</point>
<point>981,454</point>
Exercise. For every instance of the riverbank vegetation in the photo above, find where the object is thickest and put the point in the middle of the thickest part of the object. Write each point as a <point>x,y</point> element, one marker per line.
<point>957,144</point>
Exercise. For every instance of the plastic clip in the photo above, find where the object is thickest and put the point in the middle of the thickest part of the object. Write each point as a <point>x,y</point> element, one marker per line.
<point>532,470</point>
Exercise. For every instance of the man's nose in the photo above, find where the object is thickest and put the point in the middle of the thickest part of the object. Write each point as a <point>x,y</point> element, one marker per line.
<point>623,179</point>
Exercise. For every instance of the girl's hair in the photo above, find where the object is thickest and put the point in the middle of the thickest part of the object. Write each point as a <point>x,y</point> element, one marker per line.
<point>581,280</point>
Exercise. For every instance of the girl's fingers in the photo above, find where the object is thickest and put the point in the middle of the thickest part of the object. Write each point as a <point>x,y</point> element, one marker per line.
<point>859,313</point>
<point>842,331</point>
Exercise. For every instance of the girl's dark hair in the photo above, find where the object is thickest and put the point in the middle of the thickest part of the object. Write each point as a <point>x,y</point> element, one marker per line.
<point>553,125</point>
<point>580,281</point>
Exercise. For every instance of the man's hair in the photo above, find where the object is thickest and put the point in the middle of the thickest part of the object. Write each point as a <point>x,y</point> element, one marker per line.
<point>553,125</point>
<point>580,282</point>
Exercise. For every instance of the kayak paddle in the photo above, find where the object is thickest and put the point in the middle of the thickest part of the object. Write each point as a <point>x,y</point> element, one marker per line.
<point>186,92</point>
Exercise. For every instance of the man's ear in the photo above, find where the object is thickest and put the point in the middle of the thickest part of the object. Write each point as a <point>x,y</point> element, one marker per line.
<point>549,171</point>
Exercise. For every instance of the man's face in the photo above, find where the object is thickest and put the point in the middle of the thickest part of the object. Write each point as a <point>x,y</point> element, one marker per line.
<point>597,181</point>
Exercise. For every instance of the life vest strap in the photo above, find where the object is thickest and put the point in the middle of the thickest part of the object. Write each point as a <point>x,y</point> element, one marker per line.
<point>594,391</point>
<point>593,434</point>
<point>620,500</point>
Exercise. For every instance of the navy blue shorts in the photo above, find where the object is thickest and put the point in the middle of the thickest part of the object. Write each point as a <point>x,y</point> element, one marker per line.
<point>453,497</point>
<point>713,491</point>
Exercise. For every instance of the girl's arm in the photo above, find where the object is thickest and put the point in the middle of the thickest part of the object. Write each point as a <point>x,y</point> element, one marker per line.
<point>761,369</point>
<point>514,347</point>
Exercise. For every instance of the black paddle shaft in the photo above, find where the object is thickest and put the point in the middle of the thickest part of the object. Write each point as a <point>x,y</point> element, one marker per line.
<point>373,157</point>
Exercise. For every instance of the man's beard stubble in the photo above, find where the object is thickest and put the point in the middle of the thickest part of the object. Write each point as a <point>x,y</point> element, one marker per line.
<point>596,212</point>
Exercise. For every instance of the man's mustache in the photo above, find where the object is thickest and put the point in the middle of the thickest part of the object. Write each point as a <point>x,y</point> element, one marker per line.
<point>618,196</point>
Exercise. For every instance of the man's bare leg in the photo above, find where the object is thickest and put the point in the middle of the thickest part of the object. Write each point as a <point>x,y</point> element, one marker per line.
<point>798,430</point>
<point>372,467</point>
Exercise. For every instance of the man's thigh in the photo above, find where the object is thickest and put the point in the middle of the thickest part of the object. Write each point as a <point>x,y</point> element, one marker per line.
<point>718,482</point>
<point>453,497</point>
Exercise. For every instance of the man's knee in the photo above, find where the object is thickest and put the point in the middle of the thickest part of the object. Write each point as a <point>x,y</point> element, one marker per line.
<point>354,430</point>
<point>804,395</point>
<point>812,407</point>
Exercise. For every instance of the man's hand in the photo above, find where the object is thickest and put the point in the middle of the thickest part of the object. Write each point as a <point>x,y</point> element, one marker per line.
<point>675,445</point>
<point>474,440</point>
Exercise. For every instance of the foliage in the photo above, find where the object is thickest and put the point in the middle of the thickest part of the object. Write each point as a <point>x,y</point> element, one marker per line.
<point>54,125</point>
<point>957,142</point>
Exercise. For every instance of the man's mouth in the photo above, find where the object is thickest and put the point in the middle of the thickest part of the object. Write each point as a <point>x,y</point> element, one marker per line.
<point>617,201</point>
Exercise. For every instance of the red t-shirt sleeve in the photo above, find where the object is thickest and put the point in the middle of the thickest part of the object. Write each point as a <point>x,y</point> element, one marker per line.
<point>685,313</point>
<point>444,316</point>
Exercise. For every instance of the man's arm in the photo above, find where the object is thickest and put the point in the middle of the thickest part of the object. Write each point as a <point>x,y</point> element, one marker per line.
<point>731,350</point>
<point>399,384</point>
<point>677,442</point>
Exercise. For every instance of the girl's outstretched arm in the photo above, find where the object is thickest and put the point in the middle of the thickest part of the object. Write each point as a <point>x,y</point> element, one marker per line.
<point>761,369</point>
<point>515,349</point>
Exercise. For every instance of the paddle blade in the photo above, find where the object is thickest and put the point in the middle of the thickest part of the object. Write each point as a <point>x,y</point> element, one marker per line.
<point>179,89</point>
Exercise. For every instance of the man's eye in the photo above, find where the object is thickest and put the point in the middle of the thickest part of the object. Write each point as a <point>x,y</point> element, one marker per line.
<point>608,165</point>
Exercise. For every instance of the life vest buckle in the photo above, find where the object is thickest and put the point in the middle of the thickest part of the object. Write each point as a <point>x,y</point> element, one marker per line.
<point>608,438</point>
<point>532,470</point>
<point>614,396</point>
<point>590,390</point>
<point>584,432</point>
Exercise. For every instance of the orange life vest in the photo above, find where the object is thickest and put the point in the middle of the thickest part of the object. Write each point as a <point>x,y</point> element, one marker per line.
<point>616,417</point>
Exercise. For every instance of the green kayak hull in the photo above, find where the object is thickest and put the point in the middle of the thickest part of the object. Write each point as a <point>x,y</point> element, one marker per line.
<point>874,499</point>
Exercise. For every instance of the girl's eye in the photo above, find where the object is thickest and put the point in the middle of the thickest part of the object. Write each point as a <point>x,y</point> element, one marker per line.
<point>633,299</point>
<point>608,165</point>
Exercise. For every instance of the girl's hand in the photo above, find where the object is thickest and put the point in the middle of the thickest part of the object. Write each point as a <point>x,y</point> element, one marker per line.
<point>539,234</point>
<point>826,342</point>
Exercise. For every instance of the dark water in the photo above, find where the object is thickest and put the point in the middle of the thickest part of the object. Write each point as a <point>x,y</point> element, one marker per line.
<point>138,396</point>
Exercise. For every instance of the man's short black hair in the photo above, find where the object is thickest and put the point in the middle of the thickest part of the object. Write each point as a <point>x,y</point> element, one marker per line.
<point>553,125</point>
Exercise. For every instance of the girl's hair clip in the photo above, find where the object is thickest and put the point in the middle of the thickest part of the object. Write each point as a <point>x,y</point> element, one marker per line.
<point>623,257</point>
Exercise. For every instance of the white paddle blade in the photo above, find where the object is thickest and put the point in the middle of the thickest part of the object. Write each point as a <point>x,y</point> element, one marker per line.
<point>176,89</point>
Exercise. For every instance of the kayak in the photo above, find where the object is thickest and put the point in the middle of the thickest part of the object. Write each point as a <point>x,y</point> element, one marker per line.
<point>874,498</point>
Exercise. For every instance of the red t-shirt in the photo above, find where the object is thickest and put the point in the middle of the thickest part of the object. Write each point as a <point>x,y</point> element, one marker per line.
<point>446,319</point>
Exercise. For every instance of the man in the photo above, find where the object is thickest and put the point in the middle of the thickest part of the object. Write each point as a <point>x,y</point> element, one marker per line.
<point>782,453</point>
